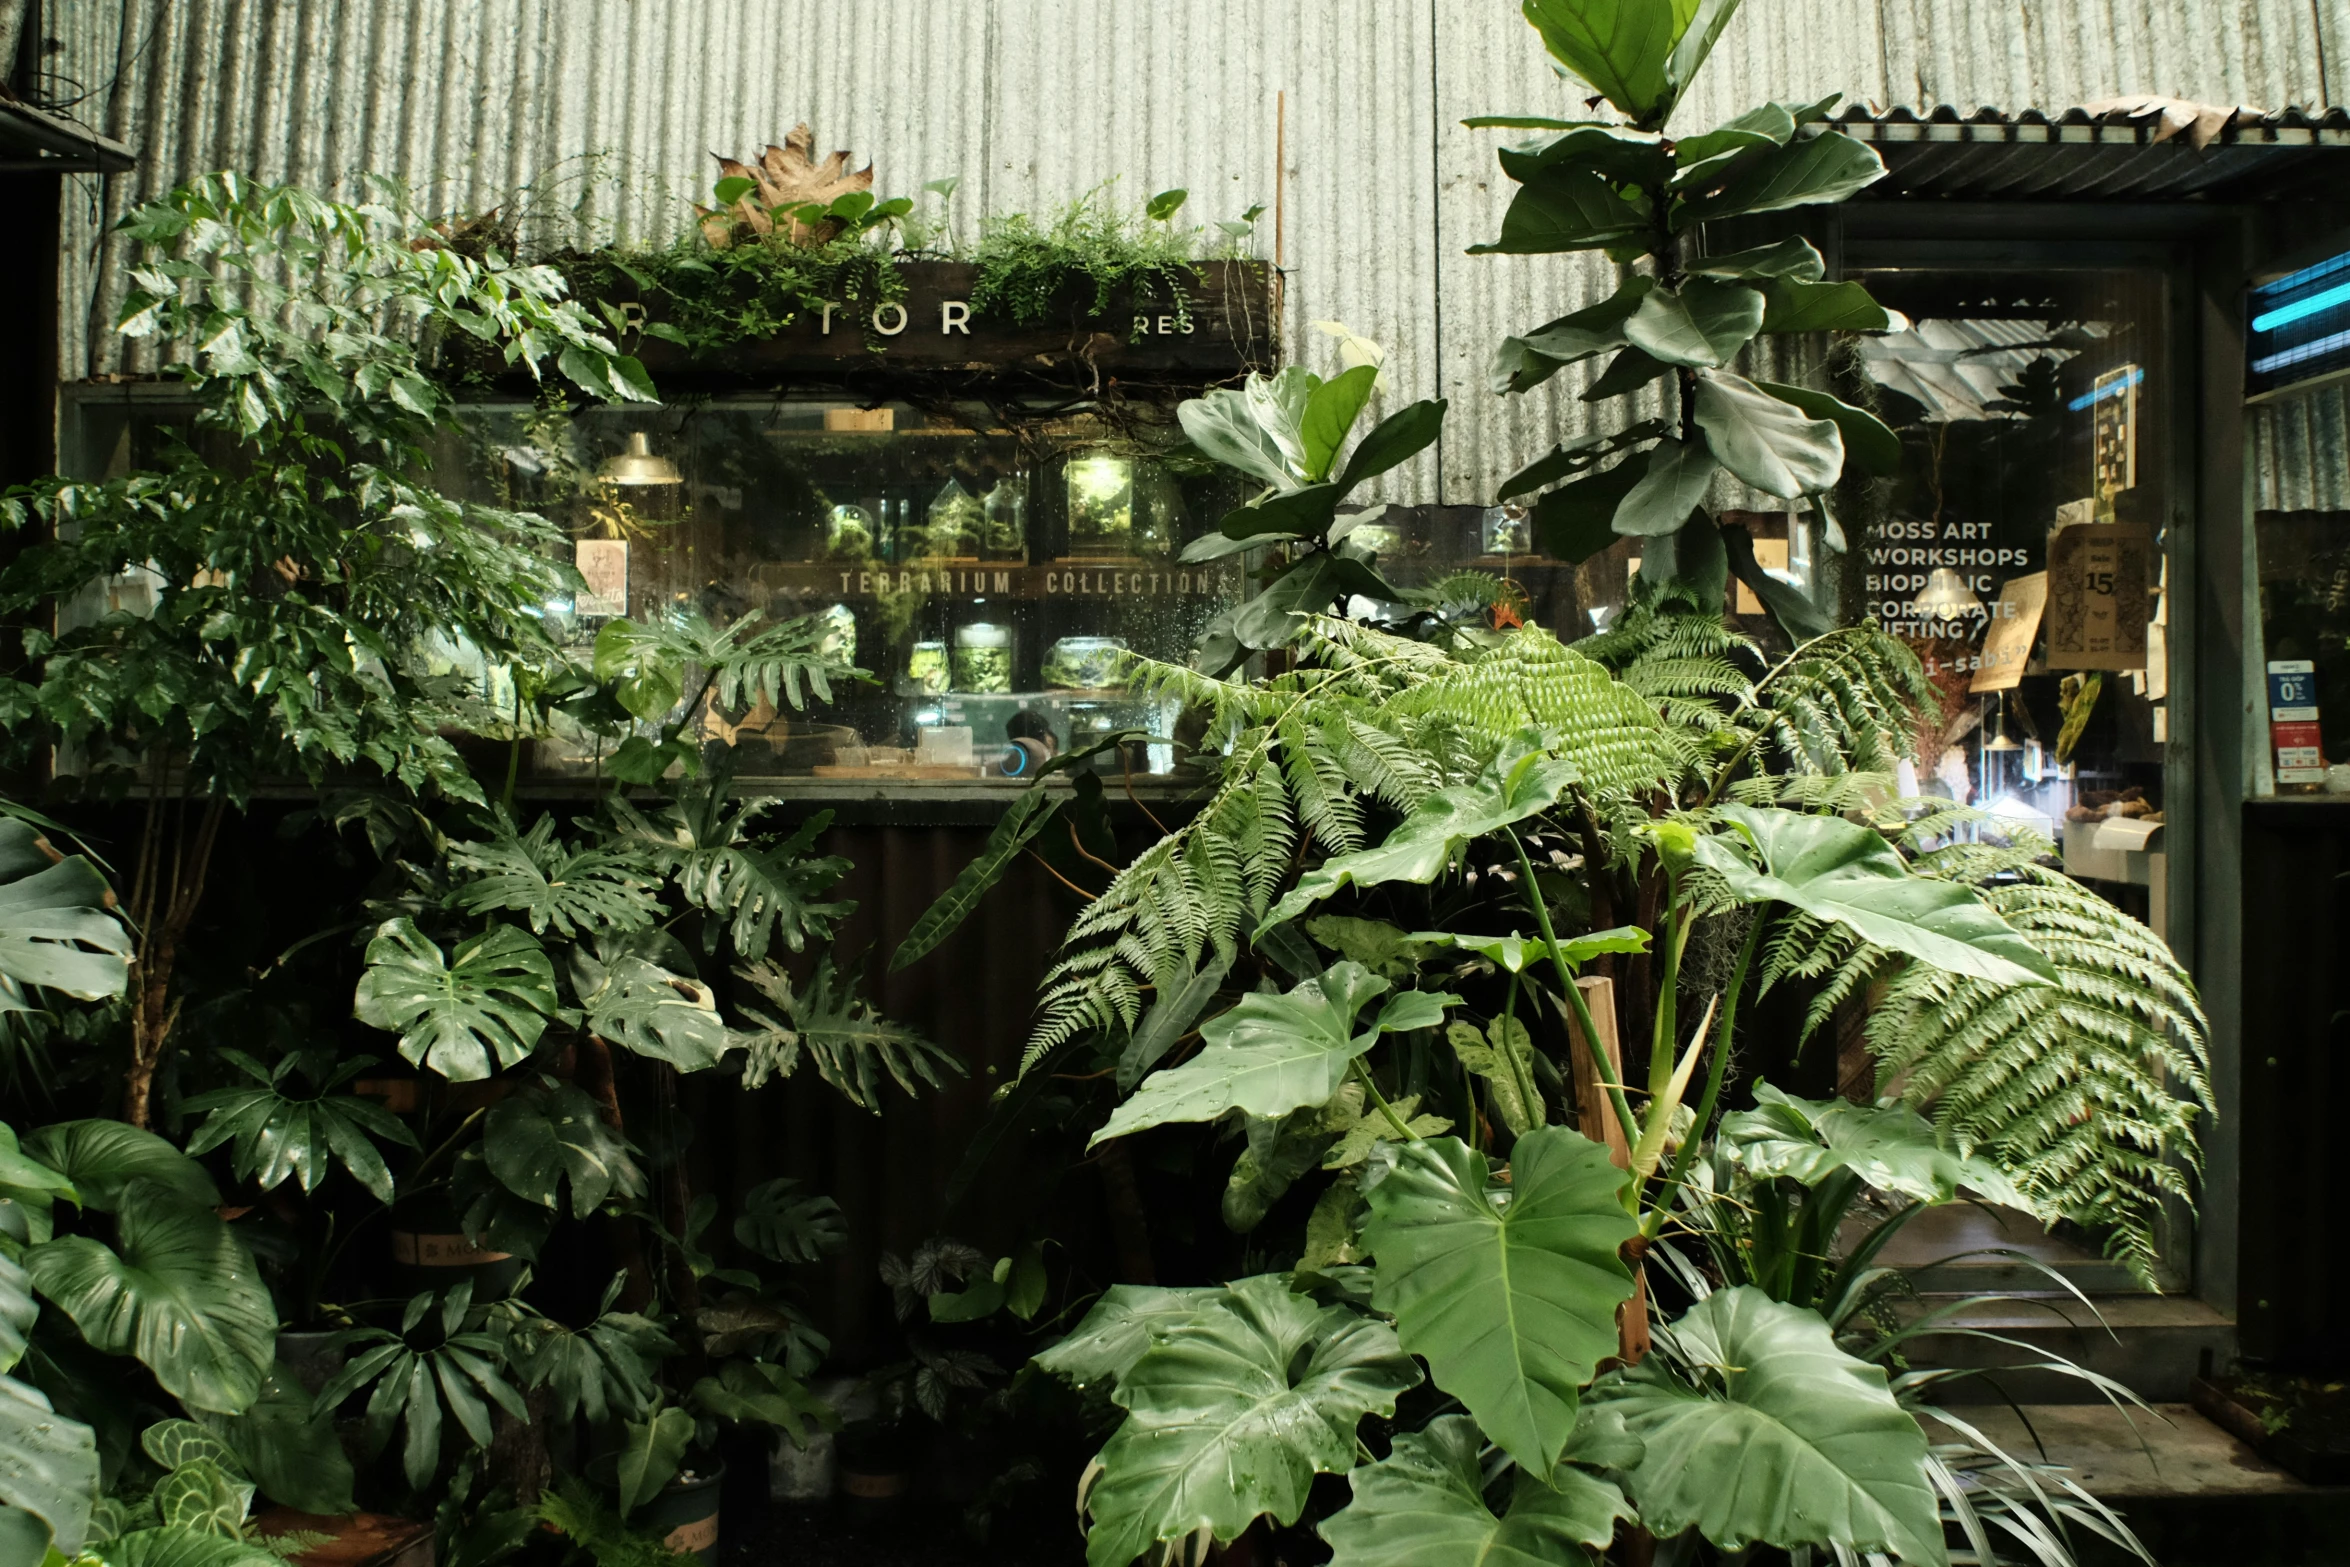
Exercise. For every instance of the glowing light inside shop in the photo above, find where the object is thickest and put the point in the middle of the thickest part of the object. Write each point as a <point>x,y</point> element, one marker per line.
<point>2109,389</point>
<point>2301,309</point>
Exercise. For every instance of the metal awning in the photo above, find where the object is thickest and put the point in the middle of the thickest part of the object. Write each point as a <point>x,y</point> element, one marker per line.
<point>2138,149</point>
<point>43,141</point>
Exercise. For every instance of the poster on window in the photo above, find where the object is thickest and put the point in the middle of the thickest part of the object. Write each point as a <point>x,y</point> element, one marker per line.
<point>2114,397</point>
<point>603,566</point>
<point>2097,596</point>
<point>2012,627</point>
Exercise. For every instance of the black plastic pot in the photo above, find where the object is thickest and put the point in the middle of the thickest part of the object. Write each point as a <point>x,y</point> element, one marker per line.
<point>429,1251</point>
<point>685,1515</point>
<point>313,1355</point>
<point>874,1469</point>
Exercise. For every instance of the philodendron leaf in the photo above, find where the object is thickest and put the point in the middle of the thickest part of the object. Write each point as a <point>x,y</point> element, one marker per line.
<point>1273,1054</point>
<point>535,1141</point>
<point>1523,780</point>
<point>1888,1145</point>
<point>1838,870</point>
<point>550,883</point>
<point>18,1311</point>
<point>1513,1303</point>
<point>1674,485</point>
<point>48,1474</point>
<point>1772,445</point>
<point>465,1016</point>
<point>1021,821</point>
<point>1114,1334</point>
<point>632,998</point>
<point>1787,1441</point>
<point>1232,1413</point>
<point>102,1158</point>
<point>56,929</point>
<point>650,1452</point>
<point>1425,1503</point>
<point>1704,322</point>
<point>1620,47</point>
<point>781,1225</point>
<point>181,1294</point>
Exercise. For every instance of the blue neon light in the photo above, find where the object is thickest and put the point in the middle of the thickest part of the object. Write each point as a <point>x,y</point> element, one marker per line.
<point>2300,308</point>
<point>2109,389</point>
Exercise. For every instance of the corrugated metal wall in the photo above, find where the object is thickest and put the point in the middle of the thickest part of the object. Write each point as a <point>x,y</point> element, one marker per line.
<point>603,114</point>
<point>2297,452</point>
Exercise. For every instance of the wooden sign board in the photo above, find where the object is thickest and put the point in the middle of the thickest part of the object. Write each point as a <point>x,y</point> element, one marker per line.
<point>2014,626</point>
<point>1229,324</point>
<point>2098,575</point>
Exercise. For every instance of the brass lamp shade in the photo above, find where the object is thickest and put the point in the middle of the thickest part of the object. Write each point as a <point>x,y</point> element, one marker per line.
<point>1945,596</point>
<point>638,464</point>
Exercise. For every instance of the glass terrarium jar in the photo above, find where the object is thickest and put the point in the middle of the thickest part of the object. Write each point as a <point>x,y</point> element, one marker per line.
<point>1004,529</point>
<point>850,533</point>
<point>1503,530</point>
<point>926,669</point>
<point>955,523</point>
<point>983,657</point>
<point>1085,664</point>
<point>1101,504</point>
<point>839,642</point>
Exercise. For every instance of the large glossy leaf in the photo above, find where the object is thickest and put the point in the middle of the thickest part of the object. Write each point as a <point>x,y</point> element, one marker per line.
<point>1565,208</point>
<point>1576,521</point>
<point>1394,440</point>
<point>1225,428</point>
<point>1629,371</point>
<point>1522,780</point>
<point>48,1471</point>
<point>1425,1504</point>
<point>181,1294</point>
<point>1578,456</point>
<point>634,994</point>
<point>852,1045</point>
<point>464,1016</point>
<point>1273,1054</point>
<point>1772,445</point>
<point>1789,1441</point>
<point>203,1495</point>
<point>1513,1302</point>
<point>1792,257</point>
<point>56,929</point>
<point>1838,870</point>
<point>604,1370</point>
<point>1233,1413</point>
<point>1620,47</point>
<point>1698,37</point>
<point>1797,306</point>
<point>103,1158</point>
<point>18,1310</point>
<point>1867,439</point>
<point>1888,1145</point>
<point>1703,322</point>
<point>1523,363</point>
<point>1331,411</point>
<point>535,1141</point>
<point>1693,558</point>
<point>1825,167</point>
<point>1171,1016</point>
<point>550,883</point>
<point>1789,605</point>
<point>1114,1334</point>
<point>1674,484</point>
<point>289,1449</point>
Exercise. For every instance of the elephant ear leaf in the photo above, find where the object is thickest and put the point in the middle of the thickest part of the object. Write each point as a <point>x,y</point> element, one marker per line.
<point>1515,1304</point>
<point>464,1016</point>
<point>1425,1502</point>
<point>1841,871</point>
<point>1233,1412</point>
<point>102,1158</point>
<point>181,1293</point>
<point>48,1477</point>
<point>56,929</point>
<point>1890,1146</point>
<point>1774,1436</point>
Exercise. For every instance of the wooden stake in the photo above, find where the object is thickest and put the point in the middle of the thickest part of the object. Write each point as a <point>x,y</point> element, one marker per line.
<point>1280,172</point>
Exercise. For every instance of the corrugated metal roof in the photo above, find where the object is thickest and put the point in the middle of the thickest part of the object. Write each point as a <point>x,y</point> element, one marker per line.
<point>2150,150</point>
<point>44,141</point>
<point>598,117</point>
